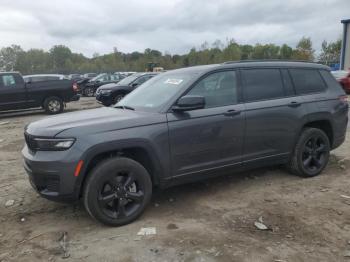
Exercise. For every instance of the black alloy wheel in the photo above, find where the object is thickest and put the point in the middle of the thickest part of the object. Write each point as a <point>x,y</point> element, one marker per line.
<point>117,191</point>
<point>315,153</point>
<point>311,153</point>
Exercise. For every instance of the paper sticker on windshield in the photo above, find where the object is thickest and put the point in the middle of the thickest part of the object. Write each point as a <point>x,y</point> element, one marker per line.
<point>173,81</point>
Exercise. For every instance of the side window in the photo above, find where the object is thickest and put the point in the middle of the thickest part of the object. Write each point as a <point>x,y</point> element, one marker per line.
<point>114,77</point>
<point>8,81</point>
<point>262,84</point>
<point>307,81</point>
<point>330,80</point>
<point>218,89</point>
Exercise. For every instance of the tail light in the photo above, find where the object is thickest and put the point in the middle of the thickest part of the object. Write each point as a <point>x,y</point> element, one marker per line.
<point>75,87</point>
<point>344,98</point>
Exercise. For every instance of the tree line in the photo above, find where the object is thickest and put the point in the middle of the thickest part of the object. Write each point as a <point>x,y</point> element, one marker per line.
<point>60,59</point>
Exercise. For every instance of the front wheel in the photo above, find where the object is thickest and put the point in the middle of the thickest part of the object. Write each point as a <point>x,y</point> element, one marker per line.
<point>311,153</point>
<point>89,91</point>
<point>117,191</point>
<point>117,98</point>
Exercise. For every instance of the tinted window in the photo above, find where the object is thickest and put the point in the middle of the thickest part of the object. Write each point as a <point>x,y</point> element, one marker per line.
<point>218,89</point>
<point>261,84</point>
<point>35,79</point>
<point>287,83</point>
<point>307,81</point>
<point>8,80</point>
<point>329,78</point>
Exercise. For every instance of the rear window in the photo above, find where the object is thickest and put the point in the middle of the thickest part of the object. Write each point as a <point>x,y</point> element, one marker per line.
<point>262,84</point>
<point>307,81</point>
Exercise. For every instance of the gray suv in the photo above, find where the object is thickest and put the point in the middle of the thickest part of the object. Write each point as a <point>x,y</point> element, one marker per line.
<point>185,125</point>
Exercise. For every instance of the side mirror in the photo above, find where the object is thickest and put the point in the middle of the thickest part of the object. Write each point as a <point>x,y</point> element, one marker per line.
<point>134,84</point>
<point>187,103</point>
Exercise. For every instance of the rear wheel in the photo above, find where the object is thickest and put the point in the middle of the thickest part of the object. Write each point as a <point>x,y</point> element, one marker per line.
<point>311,153</point>
<point>117,191</point>
<point>53,105</point>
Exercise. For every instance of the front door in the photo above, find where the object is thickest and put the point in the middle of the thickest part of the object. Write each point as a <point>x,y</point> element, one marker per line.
<point>12,92</point>
<point>212,137</point>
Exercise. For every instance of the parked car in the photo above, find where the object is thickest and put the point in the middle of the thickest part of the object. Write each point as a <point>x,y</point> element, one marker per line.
<point>185,125</point>
<point>43,77</point>
<point>17,93</point>
<point>343,77</point>
<point>112,93</point>
<point>89,89</point>
<point>89,75</point>
<point>75,77</point>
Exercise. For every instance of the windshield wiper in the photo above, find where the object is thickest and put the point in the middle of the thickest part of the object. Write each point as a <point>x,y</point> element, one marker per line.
<point>125,107</point>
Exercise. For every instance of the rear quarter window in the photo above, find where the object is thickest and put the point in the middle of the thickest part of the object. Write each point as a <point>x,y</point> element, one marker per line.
<point>329,78</point>
<point>307,81</point>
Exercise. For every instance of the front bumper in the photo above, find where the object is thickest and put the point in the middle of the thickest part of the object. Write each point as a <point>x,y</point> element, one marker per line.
<point>51,174</point>
<point>106,100</point>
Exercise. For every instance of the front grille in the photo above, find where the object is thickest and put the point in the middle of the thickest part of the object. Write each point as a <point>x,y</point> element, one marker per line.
<point>30,141</point>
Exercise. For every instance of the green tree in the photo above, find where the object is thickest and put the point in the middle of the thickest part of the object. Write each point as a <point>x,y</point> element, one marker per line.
<point>304,50</point>
<point>330,52</point>
<point>9,56</point>
<point>58,56</point>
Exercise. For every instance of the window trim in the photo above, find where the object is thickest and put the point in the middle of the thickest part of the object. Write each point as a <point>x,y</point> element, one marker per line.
<point>238,80</point>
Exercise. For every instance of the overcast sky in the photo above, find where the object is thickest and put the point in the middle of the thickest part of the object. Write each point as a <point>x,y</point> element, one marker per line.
<point>174,26</point>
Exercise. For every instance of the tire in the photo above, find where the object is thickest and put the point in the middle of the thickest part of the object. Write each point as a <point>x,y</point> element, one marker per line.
<point>311,153</point>
<point>117,191</point>
<point>89,91</point>
<point>53,105</point>
<point>117,98</point>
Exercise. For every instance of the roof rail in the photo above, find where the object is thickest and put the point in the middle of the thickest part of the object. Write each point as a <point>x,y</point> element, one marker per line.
<point>267,60</point>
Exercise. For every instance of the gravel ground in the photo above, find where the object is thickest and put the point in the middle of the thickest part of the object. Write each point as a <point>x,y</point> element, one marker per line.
<point>213,220</point>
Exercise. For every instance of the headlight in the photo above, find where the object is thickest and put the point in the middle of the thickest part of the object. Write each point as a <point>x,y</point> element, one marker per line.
<point>53,144</point>
<point>105,92</point>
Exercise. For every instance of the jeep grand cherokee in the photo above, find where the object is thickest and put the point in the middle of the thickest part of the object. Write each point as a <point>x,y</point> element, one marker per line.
<point>184,125</point>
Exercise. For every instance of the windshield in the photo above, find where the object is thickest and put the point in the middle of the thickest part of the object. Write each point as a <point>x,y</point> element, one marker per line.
<point>155,93</point>
<point>128,80</point>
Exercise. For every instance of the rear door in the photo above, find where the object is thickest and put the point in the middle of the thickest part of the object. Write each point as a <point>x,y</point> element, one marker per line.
<point>212,137</point>
<point>12,92</point>
<point>273,114</point>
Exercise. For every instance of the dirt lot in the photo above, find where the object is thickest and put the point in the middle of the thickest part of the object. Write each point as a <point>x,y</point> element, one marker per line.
<point>308,219</point>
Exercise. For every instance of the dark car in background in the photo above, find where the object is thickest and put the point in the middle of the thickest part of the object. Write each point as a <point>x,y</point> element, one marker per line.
<point>112,93</point>
<point>75,77</point>
<point>48,92</point>
<point>90,87</point>
<point>89,75</point>
<point>343,77</point>
<point>185,125</point>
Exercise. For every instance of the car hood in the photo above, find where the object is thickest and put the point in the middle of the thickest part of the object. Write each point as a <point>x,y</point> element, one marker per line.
<point>92,121</point>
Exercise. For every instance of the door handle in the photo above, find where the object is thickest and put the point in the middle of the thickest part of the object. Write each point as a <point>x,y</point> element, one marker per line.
<point>232,112</point>
<point>294,104</point>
